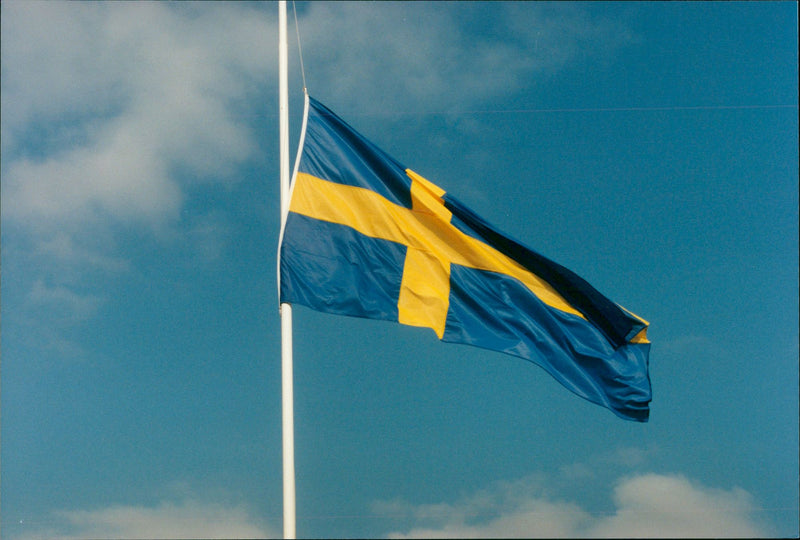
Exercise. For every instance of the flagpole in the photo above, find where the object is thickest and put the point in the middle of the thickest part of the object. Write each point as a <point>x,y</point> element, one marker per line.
<point>287,385</point>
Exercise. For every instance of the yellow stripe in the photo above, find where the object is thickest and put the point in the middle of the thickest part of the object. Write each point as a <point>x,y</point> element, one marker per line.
<point>425,291</point>
<point>424,228</point>
<point>641,337</point>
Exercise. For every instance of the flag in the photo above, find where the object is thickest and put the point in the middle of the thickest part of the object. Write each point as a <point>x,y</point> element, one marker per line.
<point>367,237</point>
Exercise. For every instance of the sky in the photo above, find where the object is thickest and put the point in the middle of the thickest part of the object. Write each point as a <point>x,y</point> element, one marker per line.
<point>652,148</point>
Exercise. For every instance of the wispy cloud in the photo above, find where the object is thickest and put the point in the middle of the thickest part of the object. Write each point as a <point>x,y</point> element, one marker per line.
<point>646,505</point>
<point>168,519</point>
<point>60,298</point>
<point>432,56</point>
<point>64,249</point>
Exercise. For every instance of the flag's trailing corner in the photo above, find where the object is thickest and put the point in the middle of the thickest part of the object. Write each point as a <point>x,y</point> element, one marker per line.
<point>367,237</point>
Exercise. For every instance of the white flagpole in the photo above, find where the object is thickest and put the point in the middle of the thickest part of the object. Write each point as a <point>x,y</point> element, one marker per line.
<point>287,385</point>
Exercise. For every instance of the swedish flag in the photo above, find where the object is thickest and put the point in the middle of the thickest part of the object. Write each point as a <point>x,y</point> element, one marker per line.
<point>367,237</point>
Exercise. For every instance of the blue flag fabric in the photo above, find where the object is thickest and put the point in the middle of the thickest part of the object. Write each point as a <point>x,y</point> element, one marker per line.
<point>367,237</point>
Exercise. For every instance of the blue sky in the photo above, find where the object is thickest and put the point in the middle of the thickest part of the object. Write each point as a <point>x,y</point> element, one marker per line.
<point>650,147</point>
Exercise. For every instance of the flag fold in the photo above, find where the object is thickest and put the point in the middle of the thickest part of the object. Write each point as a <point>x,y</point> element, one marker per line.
<point>367,237</point>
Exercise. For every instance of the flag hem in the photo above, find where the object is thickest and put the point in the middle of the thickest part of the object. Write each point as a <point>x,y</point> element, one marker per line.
<point>285,212</point>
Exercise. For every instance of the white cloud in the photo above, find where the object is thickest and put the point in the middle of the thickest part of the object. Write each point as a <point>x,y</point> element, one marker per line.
<point>648,505</point>
<point>672,506</point>
<point>186,519</point>
<point>104,104</point>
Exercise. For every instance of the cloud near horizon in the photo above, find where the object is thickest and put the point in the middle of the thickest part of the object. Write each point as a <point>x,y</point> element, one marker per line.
<point>646,505</point>
<point>168,519</point>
